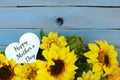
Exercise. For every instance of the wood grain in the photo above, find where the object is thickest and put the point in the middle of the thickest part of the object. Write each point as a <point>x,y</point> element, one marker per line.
<point>74,17</point>
<point>59,2</point>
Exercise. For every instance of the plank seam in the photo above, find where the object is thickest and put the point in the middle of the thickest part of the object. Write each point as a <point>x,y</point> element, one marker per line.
<point>60,6</point>
<point>65,28</point>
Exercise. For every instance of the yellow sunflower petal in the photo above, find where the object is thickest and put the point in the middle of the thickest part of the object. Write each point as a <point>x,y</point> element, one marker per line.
<point>63,67</point>
<point>52,35</point>
<point>53,38</point>
<point>31,71</point>
<point>115,74</point>
<point>93,47</point>
<point>89,76</point>
<point>8,68</point>
<point>3,60</point>
<point>102,55</point>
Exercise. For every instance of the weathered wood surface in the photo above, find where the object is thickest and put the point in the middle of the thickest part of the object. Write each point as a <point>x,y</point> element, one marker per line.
<point>59,2</point>
<point>8,36</point>
<point>74,17</point>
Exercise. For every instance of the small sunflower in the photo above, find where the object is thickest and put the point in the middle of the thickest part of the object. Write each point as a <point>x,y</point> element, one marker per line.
<point>8,69</point>
<point>30,70</point>
<point>60,64</point>
<point>89,76</point>
<point>115,74</point>
<point>53,39</point>
<point>103,57</point>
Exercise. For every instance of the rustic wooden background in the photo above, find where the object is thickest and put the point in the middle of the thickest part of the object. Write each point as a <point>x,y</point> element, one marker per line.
<point>91,19</point>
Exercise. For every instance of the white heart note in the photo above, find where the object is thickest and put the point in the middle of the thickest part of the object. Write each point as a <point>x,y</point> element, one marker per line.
<point>24,51</point>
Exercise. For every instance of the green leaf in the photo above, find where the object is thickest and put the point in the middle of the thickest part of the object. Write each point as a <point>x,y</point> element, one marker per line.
<point>104,78</point>
<point>40,56</point>
<point>76,43</point>
<point>42,33</point>
<point>2,52</point>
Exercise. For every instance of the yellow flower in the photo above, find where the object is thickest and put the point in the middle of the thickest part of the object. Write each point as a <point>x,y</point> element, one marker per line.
<point>103,57</point>
<point>89,76</point>
<point>30,70</point>
<point>53,39</point>
<point>3,60</point>
<point>8,69</point>
<point>115,74</point>
<point>60,64</point>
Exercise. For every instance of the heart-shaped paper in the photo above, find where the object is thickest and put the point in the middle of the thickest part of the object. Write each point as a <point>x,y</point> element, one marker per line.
<point>24,51</point>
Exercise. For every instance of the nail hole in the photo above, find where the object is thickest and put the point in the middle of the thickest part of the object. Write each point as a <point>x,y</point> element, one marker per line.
<point>59,21</point>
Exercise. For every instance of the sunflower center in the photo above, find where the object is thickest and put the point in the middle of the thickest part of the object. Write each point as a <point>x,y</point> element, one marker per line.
<point>6,73</point>
<point>103,58</point>
<point>58,68</point>
<point>32,75</point>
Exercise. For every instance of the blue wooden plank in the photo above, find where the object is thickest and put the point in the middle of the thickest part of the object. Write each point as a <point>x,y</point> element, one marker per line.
<point>118,55</point>
<point>59,2</point>
<point>8,36</point>
<point>45,17</point>
<point>2,48</point>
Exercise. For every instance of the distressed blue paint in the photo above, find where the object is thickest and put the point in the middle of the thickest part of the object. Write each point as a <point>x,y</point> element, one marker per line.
<point>74,17</point>
<point>59,2</point>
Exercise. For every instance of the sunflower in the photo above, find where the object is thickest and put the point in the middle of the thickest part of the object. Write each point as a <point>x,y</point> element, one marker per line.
<point>103,57</point>
<point>115,74</point>
<point>89,76</point>
<point>3,60</point>
<point>30,70</point>
<point>8,69</point>
<point>53,39</point>
<point>60,64</point>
